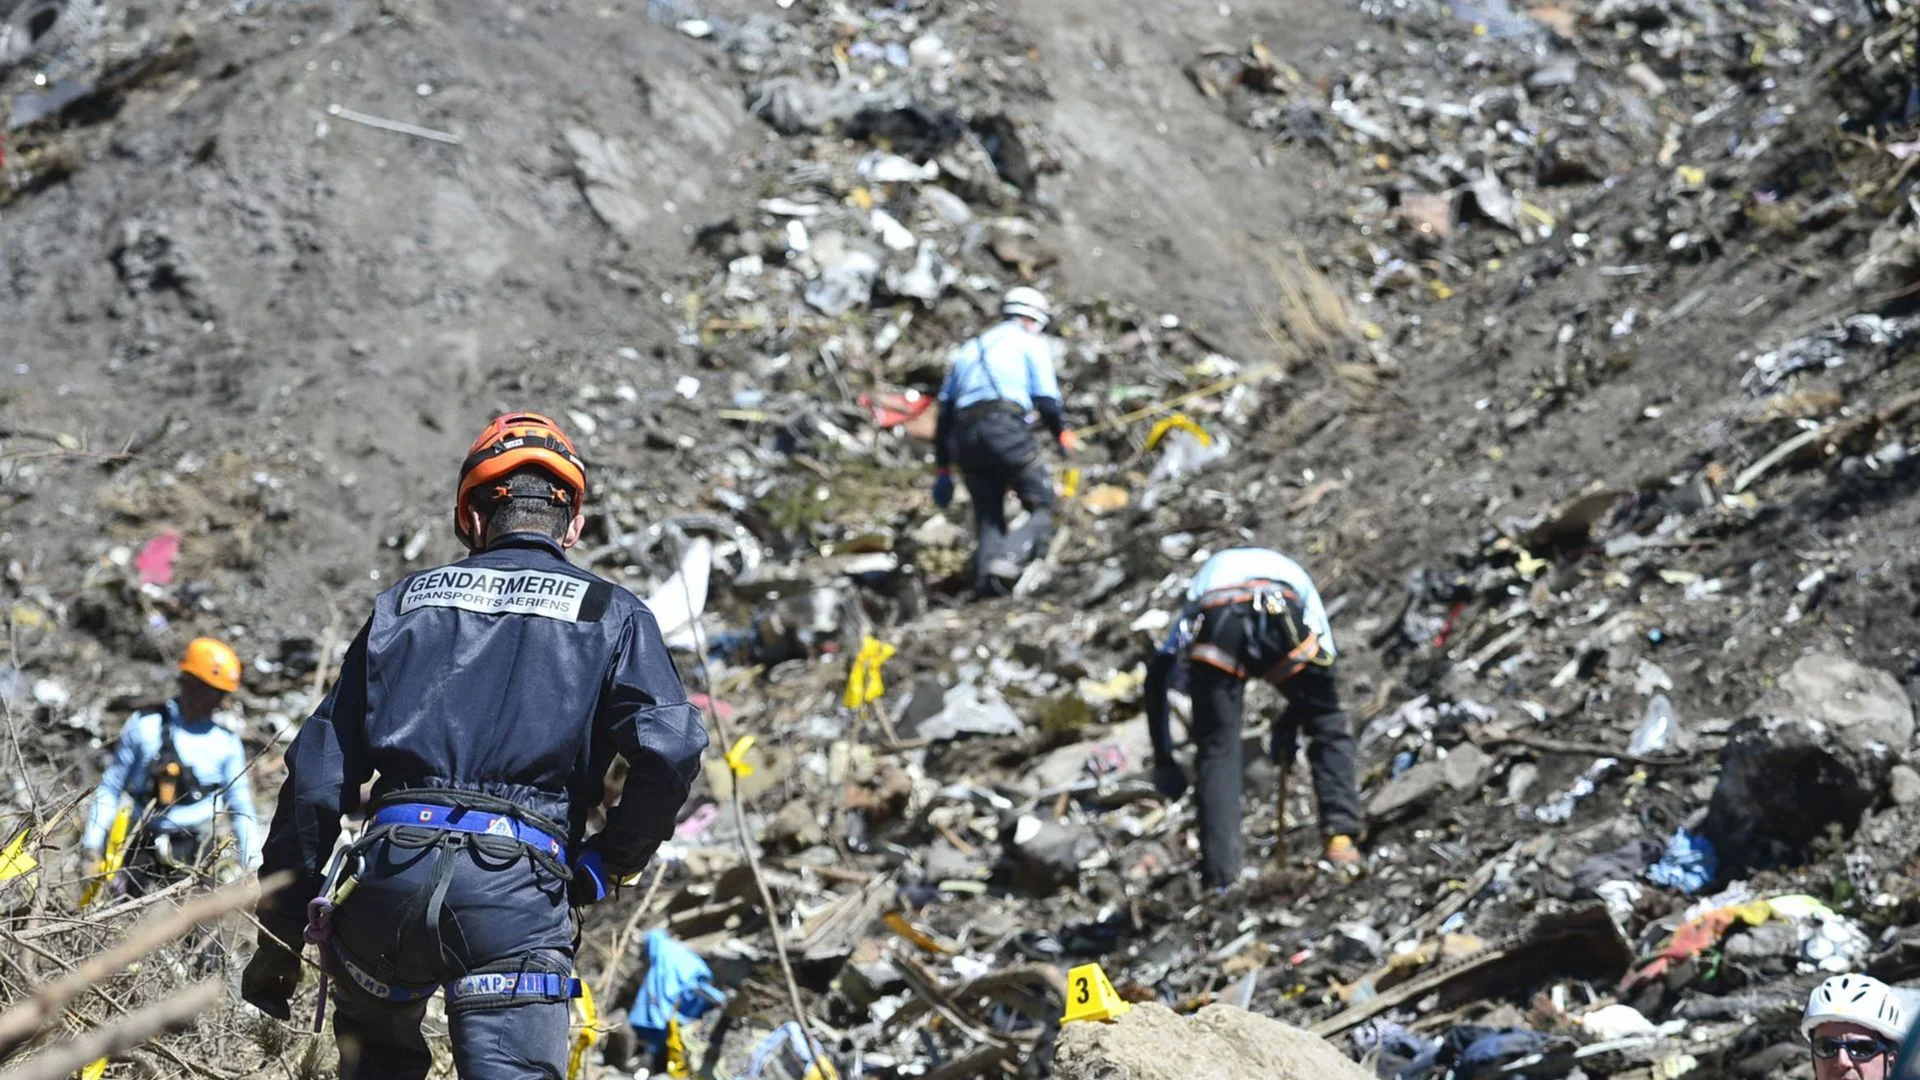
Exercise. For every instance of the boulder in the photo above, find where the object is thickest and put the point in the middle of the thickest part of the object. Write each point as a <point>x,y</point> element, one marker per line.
<point>1815,751</point>
<point>1411,789</point>
<point>1150,1042</point>
<point>1865,709</point>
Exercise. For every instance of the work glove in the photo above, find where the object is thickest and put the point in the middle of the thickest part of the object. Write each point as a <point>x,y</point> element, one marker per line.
<point>271,977</point>
<point>1169,779</point>
<point>1069,442</point>
<point>590,883</point>
<point>943,489</point>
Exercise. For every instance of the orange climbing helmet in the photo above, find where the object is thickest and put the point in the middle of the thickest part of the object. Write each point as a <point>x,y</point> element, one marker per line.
<point>212,662</point>
<point>516,441</point>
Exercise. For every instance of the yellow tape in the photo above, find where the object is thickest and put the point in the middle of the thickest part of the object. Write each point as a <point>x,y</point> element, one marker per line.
<point>113,858</point>
<point>588,1034</point>
<point>737,757</point>
<point>15,860</point>
<point>1070,482</point>
<point>865,683</point>
<point>1182,422</point>
<point>676,1050</point>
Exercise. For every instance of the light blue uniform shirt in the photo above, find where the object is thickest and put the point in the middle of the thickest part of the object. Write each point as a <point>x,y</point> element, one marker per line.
<point>1005,363</point>
<point>1237,566</point>
<point>216,757</point>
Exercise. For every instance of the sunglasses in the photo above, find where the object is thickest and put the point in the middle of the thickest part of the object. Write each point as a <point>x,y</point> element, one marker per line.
<point>1858,1048</point>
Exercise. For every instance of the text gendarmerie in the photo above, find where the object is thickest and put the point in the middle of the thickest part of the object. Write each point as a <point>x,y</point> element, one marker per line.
<point>497,592</point>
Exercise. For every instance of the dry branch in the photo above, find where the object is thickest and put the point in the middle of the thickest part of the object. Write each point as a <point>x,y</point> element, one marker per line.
<point>20,1022</point>
<point>106,914</point>
<point>118,1038</point>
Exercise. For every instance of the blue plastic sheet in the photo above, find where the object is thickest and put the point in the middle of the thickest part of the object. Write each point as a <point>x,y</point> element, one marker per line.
<point>678,984</point>
<point>1689,864</point>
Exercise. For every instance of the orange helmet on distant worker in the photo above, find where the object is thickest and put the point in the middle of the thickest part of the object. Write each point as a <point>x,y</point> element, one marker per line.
<point>512,442</point>
<point>212,662</point>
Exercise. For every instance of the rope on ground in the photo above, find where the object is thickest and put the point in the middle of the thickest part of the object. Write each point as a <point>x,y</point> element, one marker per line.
<point>1178,400</point>
<point>814,1047</point>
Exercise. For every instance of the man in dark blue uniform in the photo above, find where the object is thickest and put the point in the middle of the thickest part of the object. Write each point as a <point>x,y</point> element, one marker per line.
<point>489,697</point>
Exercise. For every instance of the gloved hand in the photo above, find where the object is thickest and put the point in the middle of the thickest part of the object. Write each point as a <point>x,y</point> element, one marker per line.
<point>1169,779</point>
<point>271,978</point>
<point>1069,442</point>
<point>943,489</point>
<point>590,883</point>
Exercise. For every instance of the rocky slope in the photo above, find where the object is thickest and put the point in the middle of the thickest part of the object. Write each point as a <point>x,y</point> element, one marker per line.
<point>1568,347</point>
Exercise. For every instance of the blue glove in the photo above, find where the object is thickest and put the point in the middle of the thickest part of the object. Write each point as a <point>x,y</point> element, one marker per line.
<point>943,490</point>
<point>589,885</point>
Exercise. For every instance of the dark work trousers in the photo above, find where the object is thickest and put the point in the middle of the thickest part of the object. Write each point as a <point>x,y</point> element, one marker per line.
<point>1313,706</point>
<point>997,454</point>
<point>501,913</point>
<point>159,857</point>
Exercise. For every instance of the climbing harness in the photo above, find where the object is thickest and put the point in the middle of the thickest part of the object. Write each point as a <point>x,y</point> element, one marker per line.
<point>457,822</point>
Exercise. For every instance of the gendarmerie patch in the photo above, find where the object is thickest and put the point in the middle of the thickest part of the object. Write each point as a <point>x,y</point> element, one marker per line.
<point>504,592</point>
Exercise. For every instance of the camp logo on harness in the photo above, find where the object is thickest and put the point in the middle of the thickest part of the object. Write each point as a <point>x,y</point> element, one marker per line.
<point>367,982</point>
<point>497,592</point>
<point>491,983</point>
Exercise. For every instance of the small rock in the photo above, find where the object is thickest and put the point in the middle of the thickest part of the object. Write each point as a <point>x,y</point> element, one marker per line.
<point>1428,215</point>
<point>1466,767</point>
<point>1643,77</point>
<point>939,532</point>
<point>50,693</point>
<point>611,179</point>
<point>795,828</point>
<point>1520,780</point>
<point>1561,71</point>
<point>1409,789</point>
<point>1903,785</point>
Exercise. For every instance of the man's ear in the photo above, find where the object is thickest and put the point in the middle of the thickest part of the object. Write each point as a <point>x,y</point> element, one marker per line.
<point>574,528</point>
<point>476,528</point>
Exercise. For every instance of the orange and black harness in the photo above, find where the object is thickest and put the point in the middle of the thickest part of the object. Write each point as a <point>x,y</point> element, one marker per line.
<point>1268,599</point>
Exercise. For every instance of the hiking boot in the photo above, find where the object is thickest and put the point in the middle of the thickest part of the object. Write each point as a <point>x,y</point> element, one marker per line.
<point>1345,855</point>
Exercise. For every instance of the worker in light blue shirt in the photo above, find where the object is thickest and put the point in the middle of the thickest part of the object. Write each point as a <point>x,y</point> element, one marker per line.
<point>1236,565</point>
<point>1253,613</point>
<point>996,380</point>
<point>180,768</point>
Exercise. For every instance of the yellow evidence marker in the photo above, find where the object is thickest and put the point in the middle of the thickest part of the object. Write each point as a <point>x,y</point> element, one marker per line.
<point>1090,996</point>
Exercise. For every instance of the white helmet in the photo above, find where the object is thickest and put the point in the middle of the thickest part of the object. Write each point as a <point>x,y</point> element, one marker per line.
<point>1031,303</point>
<point>1855,999</point>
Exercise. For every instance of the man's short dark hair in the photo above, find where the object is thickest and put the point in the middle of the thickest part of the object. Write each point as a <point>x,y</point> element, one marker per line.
<point>528,505</point>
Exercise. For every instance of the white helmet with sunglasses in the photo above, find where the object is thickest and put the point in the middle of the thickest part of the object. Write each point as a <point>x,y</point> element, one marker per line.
<point>1856,999</point>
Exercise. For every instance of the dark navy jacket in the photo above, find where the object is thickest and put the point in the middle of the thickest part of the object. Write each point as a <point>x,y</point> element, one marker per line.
<point>512,674</point>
